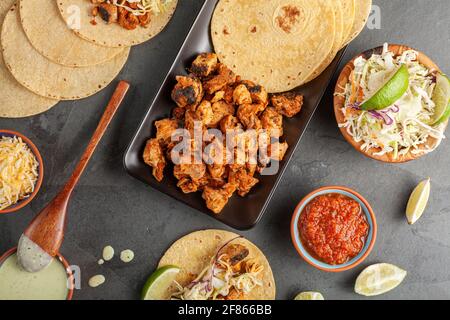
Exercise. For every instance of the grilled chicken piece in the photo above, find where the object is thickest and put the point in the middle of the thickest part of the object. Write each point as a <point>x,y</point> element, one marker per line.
<point>258,93</point>
<point>127,19</point>
<point>243,180</point>
<point>217,198</point>
<point>178,113</point>
<point>234,295</point>
<point>108,12</point>
<point>188,92</point>
<point>220,110</point>
<point>144,20</point>
<point>248,115</point>
<point>192,171</point>
<point>224,77</point>
<point>288,104</point>
<point>219,95</point>
<point>204,65</point>
<point>277,150</point>
<point>187,185</point>
<point>154,157</point>
<point>228,123</point>
<point>97,1</point>
<point>272,122</point>
<point>204,112</point>
<point>241,95</point>
<point>234,254</point>
<point>164,130</point>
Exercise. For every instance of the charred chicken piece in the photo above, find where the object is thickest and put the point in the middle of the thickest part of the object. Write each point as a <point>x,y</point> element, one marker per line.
<point>224,77</point>
<point>188,92</point>
<point>217,198</point>
<point>127,19</point>
<point>272,122</point>
<point>154,157</point>
<point>144,20</point>
<point>108,12</point>
<point>164,130</point>
<point>204,112</point>
<point>234,254</point>
<point>277,150</point>
<point>241,95</point>
<point>244,181</point>
<point>192,171</point>
<point>257,92</point>
<point>248,115</point>
<point>220,110</point>
<point>204,65</point>
<point>288,104</point>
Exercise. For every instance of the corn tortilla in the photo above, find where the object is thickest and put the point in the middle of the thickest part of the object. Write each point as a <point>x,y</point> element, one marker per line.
<point>193,252</point>
<point>49,79</point>
<point>50,36</point>
<point>348,7</point>
<point>15,100</point>
<point>362,13</point>
<point>277,43</point>
<point>111,35</point>
<point>338,39</point>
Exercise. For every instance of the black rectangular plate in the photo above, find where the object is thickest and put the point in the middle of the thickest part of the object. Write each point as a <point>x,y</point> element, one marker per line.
<point>240,213</point>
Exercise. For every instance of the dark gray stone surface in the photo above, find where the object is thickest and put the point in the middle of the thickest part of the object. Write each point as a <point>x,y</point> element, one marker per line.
<point>110,207</point>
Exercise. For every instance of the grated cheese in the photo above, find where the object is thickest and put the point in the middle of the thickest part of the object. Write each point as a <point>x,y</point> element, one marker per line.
<point>18,171</point>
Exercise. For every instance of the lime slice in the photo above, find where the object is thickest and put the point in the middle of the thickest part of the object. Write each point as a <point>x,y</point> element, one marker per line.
<point>441,97</point>
<point>378,279</point>
<point>156,287</point>
<point>310,295</point>
<point>418,201</point>
<point>391,91</point>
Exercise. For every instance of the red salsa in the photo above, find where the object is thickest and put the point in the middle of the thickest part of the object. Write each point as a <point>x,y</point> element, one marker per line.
<point>333,228</point>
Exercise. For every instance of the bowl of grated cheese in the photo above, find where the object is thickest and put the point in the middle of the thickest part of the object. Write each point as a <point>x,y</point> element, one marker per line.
<point>21,171</point>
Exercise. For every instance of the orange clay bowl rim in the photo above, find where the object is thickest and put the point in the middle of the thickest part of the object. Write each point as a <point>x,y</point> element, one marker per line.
<point>340,101</point>
<point>22,203</point>
<point>66,265</point>
<point>373,230</point>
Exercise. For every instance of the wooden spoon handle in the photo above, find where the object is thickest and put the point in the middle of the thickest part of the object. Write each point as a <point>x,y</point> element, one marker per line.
<point>47,228</point>
<point>110,111</point>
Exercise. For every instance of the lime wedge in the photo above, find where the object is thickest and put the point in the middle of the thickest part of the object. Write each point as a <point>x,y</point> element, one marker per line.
<point>378,279</point>
<point>309,296</point>
<point>391,91</point>
<point>418,201</point>
<point>156,287</point>
<point>441,97</point>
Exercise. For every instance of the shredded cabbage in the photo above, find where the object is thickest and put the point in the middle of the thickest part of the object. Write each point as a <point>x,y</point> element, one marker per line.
<point>155,7</point>
<point>410,129</point>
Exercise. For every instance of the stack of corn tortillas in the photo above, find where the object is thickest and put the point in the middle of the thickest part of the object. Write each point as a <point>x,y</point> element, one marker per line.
<point>44,60</point>
<point>283,44</point>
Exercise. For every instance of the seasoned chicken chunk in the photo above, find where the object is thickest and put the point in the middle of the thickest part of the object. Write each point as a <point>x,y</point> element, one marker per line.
<point>188,92</point>
<point>188,185</point>
<point>192,171</point>
<point>220,110</point>
<point>234,254</point>
<point>288,104</point>
<point>218,82</point>
<point>272,122</point>
<point>164,130</point>
<point>217,198</point>
<point>243,181</point>
<point>127,19</point>
<point>229,122</point>
<point>241,95</point>
<point>277,150</point>
<point>258,93</point>
<point>108,12</point>
<point>248,115</point>
<point>154,157</point>
<point>204,65</point>
<point>204,112</point>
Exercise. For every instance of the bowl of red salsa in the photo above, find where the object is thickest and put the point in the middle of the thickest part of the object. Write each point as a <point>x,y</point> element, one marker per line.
<point>334,229</point>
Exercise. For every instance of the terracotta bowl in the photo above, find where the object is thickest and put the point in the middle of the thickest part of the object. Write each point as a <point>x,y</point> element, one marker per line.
<point>22,203</point>
<point>340,101</point>
<point>370,241</point>
<point>10,252</point>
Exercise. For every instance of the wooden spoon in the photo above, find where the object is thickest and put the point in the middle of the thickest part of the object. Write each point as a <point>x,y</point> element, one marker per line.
<point>42,239</point>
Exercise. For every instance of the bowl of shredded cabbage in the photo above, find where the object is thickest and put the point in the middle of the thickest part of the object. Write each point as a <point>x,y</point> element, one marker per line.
<point>21,171</point>
<point>402,131</point>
